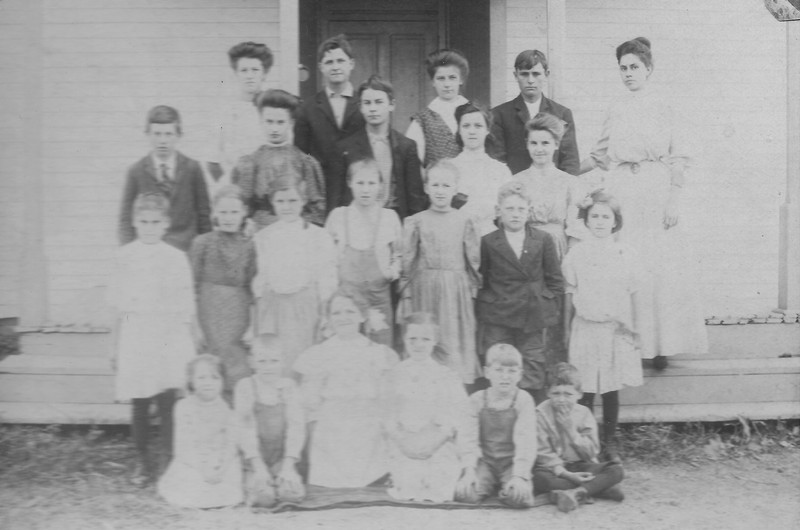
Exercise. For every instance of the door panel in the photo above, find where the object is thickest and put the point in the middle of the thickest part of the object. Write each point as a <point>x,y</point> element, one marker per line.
<point>396,51</point>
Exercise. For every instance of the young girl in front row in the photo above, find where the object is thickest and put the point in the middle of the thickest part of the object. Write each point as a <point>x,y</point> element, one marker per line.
<point>441,254</point>
<point>368,238</point>
<point>296,272</point>
<point>206,471</point>
<point>224,263</point>
<point>151,287</point>
<point>270,413</point>
<point>426,414</point>
<point>601,278</point>
<point>342,389</point>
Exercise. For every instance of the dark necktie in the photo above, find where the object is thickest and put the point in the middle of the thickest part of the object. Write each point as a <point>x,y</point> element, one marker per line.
<point>164,182</point>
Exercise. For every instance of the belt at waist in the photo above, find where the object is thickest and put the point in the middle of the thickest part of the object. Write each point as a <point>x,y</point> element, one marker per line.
<point>635,167</point>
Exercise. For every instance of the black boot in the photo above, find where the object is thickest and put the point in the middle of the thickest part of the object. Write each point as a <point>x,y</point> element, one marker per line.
<point>610,421</point>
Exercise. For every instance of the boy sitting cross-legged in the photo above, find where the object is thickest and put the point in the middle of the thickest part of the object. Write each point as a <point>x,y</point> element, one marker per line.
<point>566,464</point>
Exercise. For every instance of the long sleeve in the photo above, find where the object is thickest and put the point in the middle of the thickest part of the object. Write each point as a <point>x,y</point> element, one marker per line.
<point>498,136</point>
<point>315,191</point>
<point>555,450</point>
<point>416,133</point>
<point>472,254</point>
<point>202,202</point>
<point>244,400</point>
<point>197,259</point>
<point>415,189</point>
<point>469,448</point>
<point>327,272</point>
<point>568,159</point>
<point>295,421</point>
<point>524,436</point>
<point>553,278</point>
<point>600,151</point>
<point>244,176</point>
<point>126,231</point>
<point>411,242</point>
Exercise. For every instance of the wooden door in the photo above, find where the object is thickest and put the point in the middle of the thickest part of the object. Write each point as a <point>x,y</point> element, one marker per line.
<point>396,51</point>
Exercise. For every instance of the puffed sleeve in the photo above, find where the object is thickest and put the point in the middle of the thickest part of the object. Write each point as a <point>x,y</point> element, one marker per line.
<point>327,273</point>
<point>411,242</point>
<point>472,254</point>
<point>315,189</point>
<point>416,133</point>
<point>599,153</point>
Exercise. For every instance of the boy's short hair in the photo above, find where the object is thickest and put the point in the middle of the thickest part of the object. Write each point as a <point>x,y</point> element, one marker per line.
<point>361,165</point>
<point>567,375</point>
<point>204,358</point>
<point>251,50</point>
<point>504,355</point>
<point>601,197</point>
<point>513,188</point>
<point>529,58</point>
<point>163,114</point>
<point>376,82</point>
<point>548,123</point>
<point>277,99</point>
<point>444,164</point>
<point>447,57</point>
<point>336,42</point>
<point>151,202</point>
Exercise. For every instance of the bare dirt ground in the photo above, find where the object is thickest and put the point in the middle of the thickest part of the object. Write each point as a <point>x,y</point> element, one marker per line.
<point>757,491</point>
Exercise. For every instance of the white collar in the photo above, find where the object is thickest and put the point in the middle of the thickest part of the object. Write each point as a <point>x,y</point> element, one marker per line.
<point>169,162</point>
<point>346,92</point>
<point>440,106</point>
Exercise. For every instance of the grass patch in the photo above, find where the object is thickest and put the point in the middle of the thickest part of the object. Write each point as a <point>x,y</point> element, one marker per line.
<point>669,443</point>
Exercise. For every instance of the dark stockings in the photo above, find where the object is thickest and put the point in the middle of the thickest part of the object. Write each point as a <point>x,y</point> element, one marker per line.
<point>140,428</point>
<point>610,413</point>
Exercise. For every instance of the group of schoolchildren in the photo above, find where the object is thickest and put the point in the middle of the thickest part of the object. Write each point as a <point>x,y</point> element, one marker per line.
<point>316,247</point>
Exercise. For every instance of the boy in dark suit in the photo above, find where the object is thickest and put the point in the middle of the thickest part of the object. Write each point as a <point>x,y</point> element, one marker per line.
<point>522,285</point>
<point>395,154</point>
<point>172,174</point>
<point>330,115</point>
<point>530,71</point>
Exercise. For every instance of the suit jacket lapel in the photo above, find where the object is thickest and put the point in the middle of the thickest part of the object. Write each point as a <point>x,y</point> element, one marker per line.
<point>544,106</point>
<point>529,252</point>
<point>325,106</point>
<point>349,109</point>
<point>500,243</point>
<point>522,110</point>
<point>150,168</point>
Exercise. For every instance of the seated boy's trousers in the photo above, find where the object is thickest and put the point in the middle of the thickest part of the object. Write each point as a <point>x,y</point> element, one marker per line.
<point>606,475</point>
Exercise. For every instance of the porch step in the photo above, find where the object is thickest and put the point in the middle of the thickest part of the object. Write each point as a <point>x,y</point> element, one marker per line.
<point>66,344</point>
<point>65,413</point>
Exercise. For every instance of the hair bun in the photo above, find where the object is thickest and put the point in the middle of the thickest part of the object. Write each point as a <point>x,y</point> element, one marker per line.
<point>643,40</point>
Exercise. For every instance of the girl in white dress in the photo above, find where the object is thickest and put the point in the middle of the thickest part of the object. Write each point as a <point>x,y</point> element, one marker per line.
<point>206,471</point>
<point>645,154</point>
<point>479,175</point>
<point>296,272</point>
<point>425,418</point>
<point>151,287</point>
<point>341,382</point>
<point>602,280</point>
<point>368,239</point>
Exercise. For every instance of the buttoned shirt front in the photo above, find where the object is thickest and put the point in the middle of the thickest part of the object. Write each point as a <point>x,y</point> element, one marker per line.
<point>338,102</point>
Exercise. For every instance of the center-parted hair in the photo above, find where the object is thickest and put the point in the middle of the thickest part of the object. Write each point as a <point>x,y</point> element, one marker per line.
<point>504,355</point>
<point>365,164</point>
<point>445,165</point>
<point>473,108</point>
<point>163,114</point>
<point>286,183</point>
<point>376,82</point>
<point>447,57</point>
<point>278,99</point>
<point>567,375</point>
<point>546,122</point>
<point>251,50</point>
<point>204,358</point>
<point>151,202</point>
<point>601,197</point>
<point>336,42</point>
<point>640,47</point>
<point>529,58</point>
